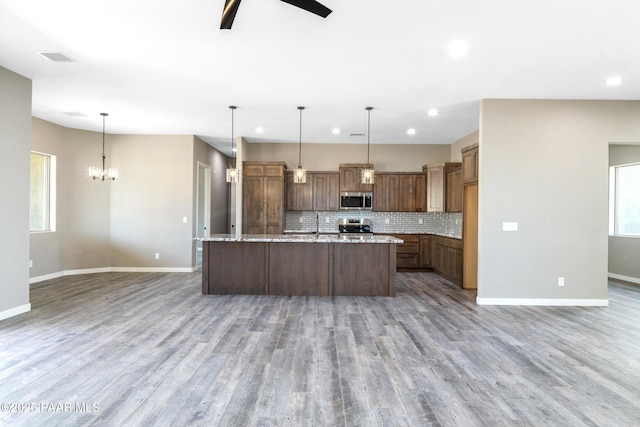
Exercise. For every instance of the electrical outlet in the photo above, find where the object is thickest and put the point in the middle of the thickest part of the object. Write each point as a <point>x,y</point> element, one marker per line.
<point>326,220</point>
<point>420,221</point>
<point>300,220</point>
<point>386,220</point>
<point>560,281</point>
<point>184,219</point>
<point>30,263</point>
<point>157,255</point>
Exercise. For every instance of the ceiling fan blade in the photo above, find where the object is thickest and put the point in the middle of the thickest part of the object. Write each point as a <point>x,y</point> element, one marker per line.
<point>229,14</point>
<point>310,6</point>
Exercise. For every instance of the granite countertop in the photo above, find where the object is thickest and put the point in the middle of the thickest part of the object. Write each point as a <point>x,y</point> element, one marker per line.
<point>433,233</point>
<point>300,238</point>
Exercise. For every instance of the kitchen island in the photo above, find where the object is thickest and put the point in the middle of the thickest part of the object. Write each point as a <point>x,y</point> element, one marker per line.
<point>323,265</point>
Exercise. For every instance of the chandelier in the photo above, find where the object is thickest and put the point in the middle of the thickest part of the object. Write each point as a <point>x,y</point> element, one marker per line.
<point>104,173</point>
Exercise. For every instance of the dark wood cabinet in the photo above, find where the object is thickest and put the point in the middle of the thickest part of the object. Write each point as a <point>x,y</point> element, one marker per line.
<point>470,177</point>
<point>350,177</point>
<point>454,191</point>
<point>385,192</point>
<point>299,196</point>
<point>447,257</point>
<point>263,198</point>
<point>414,253</point>
<point>470,157</point>
<point>437,174</point>
<point>400,192</point>
<point>408,253</point>
<point>413,192</point>
<point>321,192</point>
<point>425,250</point>
<point>326,191</point>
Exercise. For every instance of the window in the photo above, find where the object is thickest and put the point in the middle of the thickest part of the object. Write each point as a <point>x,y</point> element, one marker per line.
<point>43,192</point>
<point>625,200</point>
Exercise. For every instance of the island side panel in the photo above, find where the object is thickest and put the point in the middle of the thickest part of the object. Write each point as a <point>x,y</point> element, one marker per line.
<point>299,269</point>
<point>205,267</point>
<point>362,269</point>
<point>392,270</point>
<point>237,268</point>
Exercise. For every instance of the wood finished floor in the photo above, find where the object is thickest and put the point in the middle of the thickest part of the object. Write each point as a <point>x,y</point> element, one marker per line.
<point>149,349</point>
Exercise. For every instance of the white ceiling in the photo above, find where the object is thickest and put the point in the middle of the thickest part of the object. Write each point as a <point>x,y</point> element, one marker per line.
<point>164,67</point>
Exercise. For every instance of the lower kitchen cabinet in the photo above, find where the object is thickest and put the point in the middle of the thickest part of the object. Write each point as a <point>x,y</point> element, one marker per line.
<point>408,253</point>
<point>413,254</point>
<point>447,257</point>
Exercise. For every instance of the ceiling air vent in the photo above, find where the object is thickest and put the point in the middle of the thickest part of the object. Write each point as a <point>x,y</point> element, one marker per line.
<point>56,56</point>
<point>75,114</point>
<point>356,134</point>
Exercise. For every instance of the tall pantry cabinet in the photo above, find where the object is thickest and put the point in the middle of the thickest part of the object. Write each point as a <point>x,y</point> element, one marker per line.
<point>263,197</point>
<point>470,179</point>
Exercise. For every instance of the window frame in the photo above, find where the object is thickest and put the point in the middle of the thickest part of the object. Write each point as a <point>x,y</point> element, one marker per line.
<point>614,200</point>
<point>50,197</point>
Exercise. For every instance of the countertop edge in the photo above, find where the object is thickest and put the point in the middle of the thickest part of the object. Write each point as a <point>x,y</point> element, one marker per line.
<point>281,238</point>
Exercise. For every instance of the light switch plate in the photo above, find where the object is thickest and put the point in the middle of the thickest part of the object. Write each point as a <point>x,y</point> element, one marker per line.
<point>509,226</point>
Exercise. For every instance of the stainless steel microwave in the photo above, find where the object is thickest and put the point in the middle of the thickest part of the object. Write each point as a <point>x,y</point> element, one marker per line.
<point>356,201</point>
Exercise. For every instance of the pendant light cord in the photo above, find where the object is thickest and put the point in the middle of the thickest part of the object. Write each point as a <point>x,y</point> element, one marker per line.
<point>368,131</point>
<point>233,153</point>
<point>300,144</point>
<point>104,115</point>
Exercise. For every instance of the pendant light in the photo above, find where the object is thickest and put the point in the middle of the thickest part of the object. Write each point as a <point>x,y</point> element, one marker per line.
<point>367,173</point>
<point>300,174</point>
<point>103,174</point>
<point>233,174</point>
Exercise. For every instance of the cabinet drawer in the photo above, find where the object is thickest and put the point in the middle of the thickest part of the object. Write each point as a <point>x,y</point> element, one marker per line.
<point>408,248</point>
<point>407,260</point>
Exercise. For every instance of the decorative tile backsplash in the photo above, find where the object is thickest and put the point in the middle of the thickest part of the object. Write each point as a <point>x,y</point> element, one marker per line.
<point>449,224</point>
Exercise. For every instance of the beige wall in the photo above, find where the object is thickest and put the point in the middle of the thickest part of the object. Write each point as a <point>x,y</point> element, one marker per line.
<point>624,252</point>
<point>81,239</point>
<point>15,136</point>
<point>121,224</point>
<point>456,147</point>
<point>327,157</point>
<point>154,191</point>
<point>544,164</point>
<point>208,155</point>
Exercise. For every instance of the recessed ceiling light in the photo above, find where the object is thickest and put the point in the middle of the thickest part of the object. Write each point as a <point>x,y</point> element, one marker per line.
<point>614,81</point>
<point>259,129</point>
<point>234,149</point>
<point>411,131</point>
<point>458,48</point>
<point>335,131</point>
<point>432,112</point>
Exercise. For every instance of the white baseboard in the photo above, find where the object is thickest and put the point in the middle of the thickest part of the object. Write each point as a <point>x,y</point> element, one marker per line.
<point>625,278</point>
<point>543,302</point>
<point>15,311</point>
<point>153,269</point>
<point>113,270</point>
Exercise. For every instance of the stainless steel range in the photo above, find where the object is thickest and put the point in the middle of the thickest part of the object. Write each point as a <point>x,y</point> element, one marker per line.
<point>355,226</point>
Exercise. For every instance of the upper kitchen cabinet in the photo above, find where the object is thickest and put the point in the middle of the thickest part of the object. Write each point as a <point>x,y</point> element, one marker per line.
<point>454,191</point>
<point>350,177</point>
<point>413,192</point>
<point>299,196</point>
<point>470,156</point>
<point>326,191</point>
<point>263,197</point>
<point>385,192</point>
<point>400,192</point>
<point>437,183</point>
